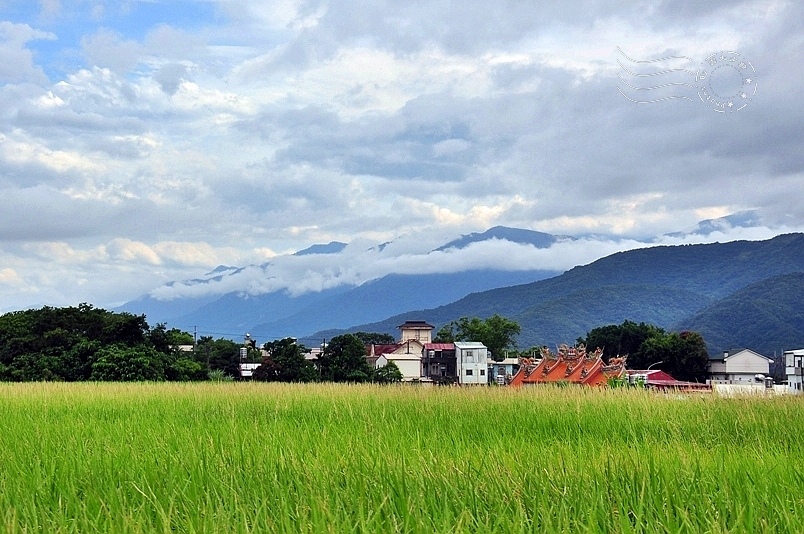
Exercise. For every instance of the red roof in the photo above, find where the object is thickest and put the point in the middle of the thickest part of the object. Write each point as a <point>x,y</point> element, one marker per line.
<point>653,374</point>
<point>384,349</point>
<point>571,364</point>
<point>439,346</point>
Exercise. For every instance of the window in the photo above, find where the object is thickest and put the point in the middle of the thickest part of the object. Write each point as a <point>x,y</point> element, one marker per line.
<point>468,372</point>
<point>482,372</point>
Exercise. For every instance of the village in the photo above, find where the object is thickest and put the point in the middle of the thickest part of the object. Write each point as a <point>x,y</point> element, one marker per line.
<point>465,363</point>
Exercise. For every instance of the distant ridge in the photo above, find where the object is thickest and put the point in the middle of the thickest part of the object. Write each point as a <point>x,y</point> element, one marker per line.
<point>333,247</point>
<point>767,317</point>
<point>515,235</point>
<point>664,285</point>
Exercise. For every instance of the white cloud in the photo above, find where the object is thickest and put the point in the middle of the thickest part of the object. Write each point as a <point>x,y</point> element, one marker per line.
<point>237,130</point>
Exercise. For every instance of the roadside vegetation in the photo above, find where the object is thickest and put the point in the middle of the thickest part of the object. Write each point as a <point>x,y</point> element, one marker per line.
<point>270,457</point>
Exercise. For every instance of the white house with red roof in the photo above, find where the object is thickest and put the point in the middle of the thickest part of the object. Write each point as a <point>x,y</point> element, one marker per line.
<point>407,354</point>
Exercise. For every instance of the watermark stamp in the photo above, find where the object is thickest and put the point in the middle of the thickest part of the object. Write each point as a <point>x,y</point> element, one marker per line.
<point>725,81</point>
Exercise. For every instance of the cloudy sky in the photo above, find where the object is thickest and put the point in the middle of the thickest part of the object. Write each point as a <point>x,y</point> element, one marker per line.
<point>152,140</point>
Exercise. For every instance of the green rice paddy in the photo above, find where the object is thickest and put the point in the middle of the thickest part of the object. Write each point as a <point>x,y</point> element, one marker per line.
<point>247,457</point>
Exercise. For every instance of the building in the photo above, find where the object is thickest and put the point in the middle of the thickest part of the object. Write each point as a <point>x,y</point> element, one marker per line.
<point>657,379</point>
<point>247,369</point>
<point>471,362</point>
<point>571,365</point>
<point>439,363</point>
<point>794,368</point>
<point>742,366</point>
<point>407,353</point>
<point>503,372</point>
<point>419,331</point>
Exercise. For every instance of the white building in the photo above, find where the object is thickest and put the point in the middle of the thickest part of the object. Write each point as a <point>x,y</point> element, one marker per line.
<point>738,367</point>
<point>794,369</point>
<point>407,356</point>
<point>471,362</point>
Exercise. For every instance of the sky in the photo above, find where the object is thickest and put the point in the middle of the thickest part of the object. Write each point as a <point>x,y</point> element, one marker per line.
<point>148,141</point>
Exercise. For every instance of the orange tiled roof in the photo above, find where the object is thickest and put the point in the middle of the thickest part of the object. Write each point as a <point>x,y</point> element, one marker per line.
<point>572,364</point>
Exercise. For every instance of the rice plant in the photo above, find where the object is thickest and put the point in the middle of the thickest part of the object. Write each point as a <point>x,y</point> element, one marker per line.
<point>248,457</point>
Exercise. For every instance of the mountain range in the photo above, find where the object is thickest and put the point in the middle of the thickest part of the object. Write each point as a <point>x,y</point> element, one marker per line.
<point>709,288</point>
<point>284,312</point>
<point>737,294</point>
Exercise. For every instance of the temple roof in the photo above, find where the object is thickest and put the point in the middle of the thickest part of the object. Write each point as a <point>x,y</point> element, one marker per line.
<point>570,365</point>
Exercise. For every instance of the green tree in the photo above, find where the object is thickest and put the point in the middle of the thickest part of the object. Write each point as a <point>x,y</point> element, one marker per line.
<point>683,355</point>
<point>375,338</point>
<point>388,374</point>
<point>285,362</point>
<point>186,370</point>
<point>625,339</point>
<point>344,360</point>
<point>219,355</point>
<point>168,341</point>
<point>129,364</point>
<point>497,333</point>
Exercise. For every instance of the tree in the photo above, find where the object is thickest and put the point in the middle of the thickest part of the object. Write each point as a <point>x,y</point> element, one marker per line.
<point>186,370</point>
<point>285,362</point>
<point>167,341</point>
<point>344,360</point>
<point>64,343</point>
<point>622,340</point>
<point>128,364</point>
<point>375,338</point>
<point>683,355</point>
<point>388,374</point>
<point>219,355</point>
<point>497,333</point>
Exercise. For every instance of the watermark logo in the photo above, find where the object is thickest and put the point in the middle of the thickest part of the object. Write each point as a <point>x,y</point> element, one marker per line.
<point>725,81</point>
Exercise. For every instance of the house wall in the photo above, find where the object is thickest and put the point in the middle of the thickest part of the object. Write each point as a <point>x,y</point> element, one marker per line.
<point>421,335</point>
<point>794,368</point>
<point>717,370</point>
<point>411,368</point>
<point>472,363</point>
<point>747,363</point>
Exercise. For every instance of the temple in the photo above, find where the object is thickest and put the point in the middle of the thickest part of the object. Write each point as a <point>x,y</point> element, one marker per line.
<point>569,365</point>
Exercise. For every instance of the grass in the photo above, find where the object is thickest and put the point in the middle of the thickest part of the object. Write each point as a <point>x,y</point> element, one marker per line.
<point>329,458</point>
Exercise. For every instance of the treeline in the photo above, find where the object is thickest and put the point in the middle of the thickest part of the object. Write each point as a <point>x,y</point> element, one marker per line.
<point>343,359</point>
<point>85,343</point>
<point>681,354</point>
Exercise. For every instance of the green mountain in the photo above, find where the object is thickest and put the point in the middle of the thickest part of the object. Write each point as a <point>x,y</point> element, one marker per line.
<point>766,316</point>
<point>662,285</point>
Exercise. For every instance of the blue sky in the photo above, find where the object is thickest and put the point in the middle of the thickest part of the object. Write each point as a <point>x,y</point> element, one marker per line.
<point>144,142</point>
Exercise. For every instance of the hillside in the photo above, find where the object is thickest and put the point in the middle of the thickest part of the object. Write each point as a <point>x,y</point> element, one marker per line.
<point>662,285</point>
<point>766,316</point>
<point>395,293</point>
<point>321,287</point>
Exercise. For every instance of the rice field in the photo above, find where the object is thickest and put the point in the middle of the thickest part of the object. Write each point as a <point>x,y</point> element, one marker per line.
<point>247,457</point>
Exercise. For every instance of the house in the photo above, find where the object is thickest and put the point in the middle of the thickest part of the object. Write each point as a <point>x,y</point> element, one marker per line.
<point>794,368</point>
<point>658,379</point>
<point>569,365</point>
<point>502,372</point>
<point>419,331</point>
<point>471,362</point>
<point>439,362</point>
<point>247,369</point>
<point>741,366</point>
<point>407,354</point>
